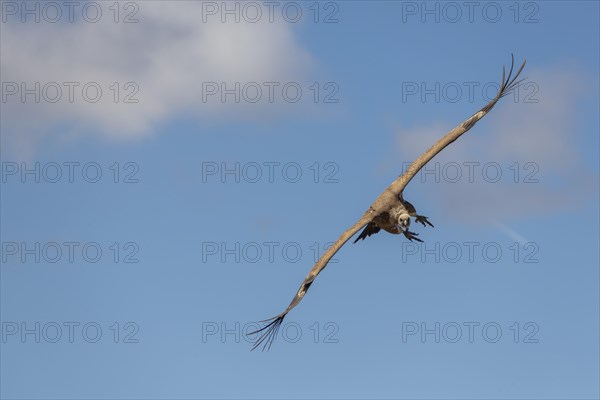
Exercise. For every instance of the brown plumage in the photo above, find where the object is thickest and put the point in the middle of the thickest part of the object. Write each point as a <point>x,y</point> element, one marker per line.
<point>389,211</point>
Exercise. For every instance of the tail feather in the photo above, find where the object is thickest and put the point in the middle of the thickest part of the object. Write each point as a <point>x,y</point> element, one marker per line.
<point>369,230</point>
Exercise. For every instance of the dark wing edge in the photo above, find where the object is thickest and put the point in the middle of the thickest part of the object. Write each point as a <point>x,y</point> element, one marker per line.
<point>508,84</point>
<point>369,230</point>
<point>268,333</point>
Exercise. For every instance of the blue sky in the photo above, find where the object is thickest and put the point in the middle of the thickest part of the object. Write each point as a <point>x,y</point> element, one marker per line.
<point>178,175</point>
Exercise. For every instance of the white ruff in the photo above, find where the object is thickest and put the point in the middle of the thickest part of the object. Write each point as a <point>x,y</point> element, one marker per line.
<point>401,216</point>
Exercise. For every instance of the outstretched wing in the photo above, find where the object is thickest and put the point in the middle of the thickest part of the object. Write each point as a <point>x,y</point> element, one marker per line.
<point>507,85</point>
<point>269,331</point>
<point>382,203</point>
<point>369,230</point>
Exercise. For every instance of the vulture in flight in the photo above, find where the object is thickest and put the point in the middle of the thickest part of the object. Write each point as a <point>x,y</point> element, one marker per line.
<point>389,211</point>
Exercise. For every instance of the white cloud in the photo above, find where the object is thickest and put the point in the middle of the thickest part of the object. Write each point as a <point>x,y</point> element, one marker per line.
<point>167,54</point>
<point>543,138</point>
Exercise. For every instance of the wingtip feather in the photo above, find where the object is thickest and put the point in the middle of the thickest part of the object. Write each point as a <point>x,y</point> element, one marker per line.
<point>270,332</point>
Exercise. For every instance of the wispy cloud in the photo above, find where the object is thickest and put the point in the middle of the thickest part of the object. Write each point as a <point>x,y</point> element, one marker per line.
<point>511,233</point>
<point>168,55</point>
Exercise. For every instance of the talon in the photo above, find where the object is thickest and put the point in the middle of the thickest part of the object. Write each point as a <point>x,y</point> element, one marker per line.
<point>411,236</point>
<point>423,220</point>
